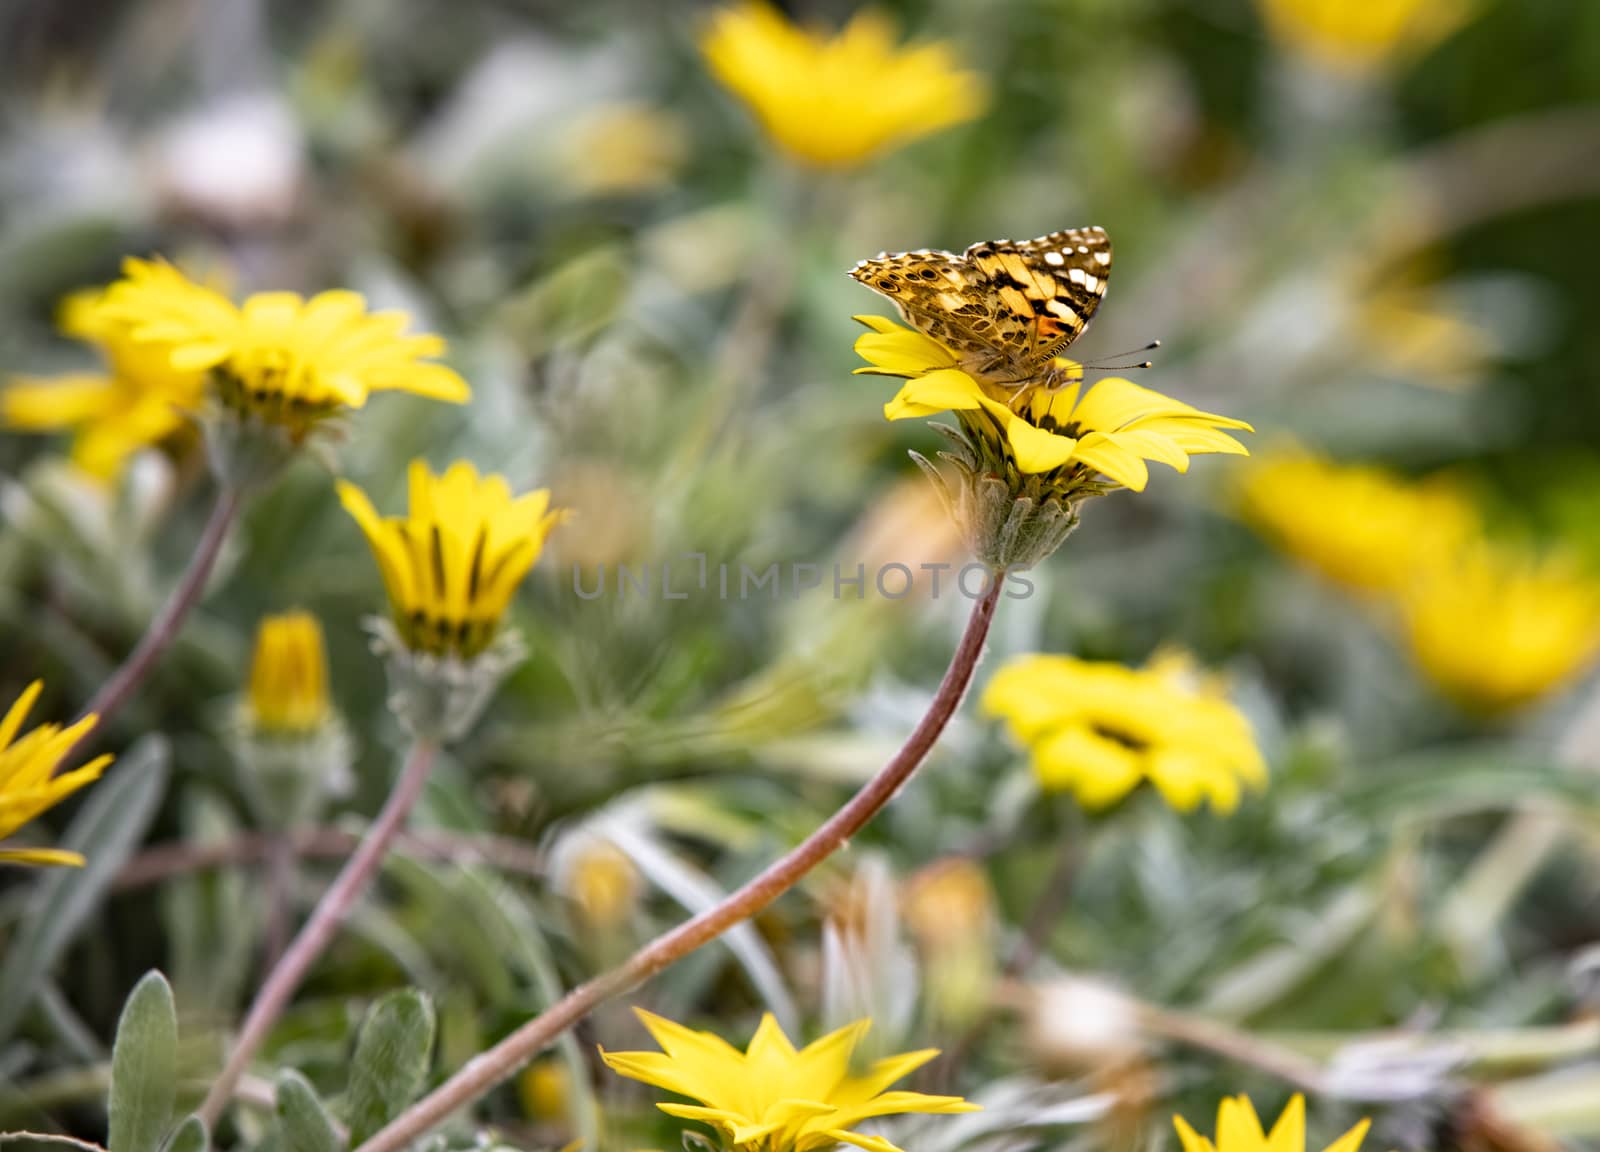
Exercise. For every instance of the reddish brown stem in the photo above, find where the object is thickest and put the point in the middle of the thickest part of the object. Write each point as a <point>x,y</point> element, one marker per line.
<point>488,1069</point>
<point>319,930</point>
<point>163,630</point>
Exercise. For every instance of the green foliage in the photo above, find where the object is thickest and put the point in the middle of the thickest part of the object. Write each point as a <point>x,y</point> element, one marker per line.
<point>302,1120</point>
<point>144,1072</point>
<point>390,1065</point>
<point>190,1136</point>
<point>108,828</point>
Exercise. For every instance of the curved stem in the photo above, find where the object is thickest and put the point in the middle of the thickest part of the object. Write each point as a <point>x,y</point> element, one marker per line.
<point>164,628</point>
<point>330,912</point>
<point>488,1069</point>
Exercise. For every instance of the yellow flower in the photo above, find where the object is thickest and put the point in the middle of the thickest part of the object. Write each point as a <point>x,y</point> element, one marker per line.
<point>772,1098</point>
<point>1415,334</point>
<point>1063,435</point>
<point>1101,729</point>
<point>1495,630</point>
<point>28,781</point>
<point>289,676</point>
<point>451,565</point>
<point>1352,36</point>
<point>278,357</point>
<point>622,148</point>
<point>1239,1130</point>
<point>837,101</point>
<point>600,880</point>
<point>1362,527</point>
<point>543,1089</point>
<point>138,401</point>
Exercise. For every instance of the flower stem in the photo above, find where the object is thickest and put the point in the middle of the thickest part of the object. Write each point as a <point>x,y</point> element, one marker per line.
<point>488,1069</point>
<point>330,912</point>
<point>114,693</point>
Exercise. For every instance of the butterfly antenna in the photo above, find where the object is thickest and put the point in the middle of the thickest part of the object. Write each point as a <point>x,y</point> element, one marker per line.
<point>1104,365</point>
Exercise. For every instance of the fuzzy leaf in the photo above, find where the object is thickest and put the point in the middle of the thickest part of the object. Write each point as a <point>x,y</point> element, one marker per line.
<point>190,1136</point>
<point>391,1061</point>
<point>305,1124</point>
<point>144,1068</point>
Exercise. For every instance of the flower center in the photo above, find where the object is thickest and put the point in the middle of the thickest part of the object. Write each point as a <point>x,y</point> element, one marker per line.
<point>1122,736</point>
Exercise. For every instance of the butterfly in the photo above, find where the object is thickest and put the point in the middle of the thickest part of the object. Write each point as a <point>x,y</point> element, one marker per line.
<point>1005,309</point>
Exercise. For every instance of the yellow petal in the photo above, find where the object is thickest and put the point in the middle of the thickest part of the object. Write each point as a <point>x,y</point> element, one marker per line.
<point>47,856</point>
<point>1191,1140</point>
<point>1289,1133</point>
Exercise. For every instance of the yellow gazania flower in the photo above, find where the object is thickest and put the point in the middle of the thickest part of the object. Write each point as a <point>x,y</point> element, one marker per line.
<point>1100,729</point>
<point>1361,527</point>
<point>1062,434</point>
<point>1239,1130</point>
<point>1353,36</point>
<point>140,400</point>
<point>289,676</point>
<point>837,101</point>
<point>279,357</point>
<point>772,1098</point>
<point>28,781</point>
<point>1495,630</point>
<point>452,564</point>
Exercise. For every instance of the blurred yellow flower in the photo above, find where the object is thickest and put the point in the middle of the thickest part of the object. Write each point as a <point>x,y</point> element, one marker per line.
<point>1357,34</point>
<point>1416,335</point>
<point>452,564</point>
<point>543,1088</point>
<point>1495,629</point>
<point>837,101</point>
<point>289,676</point>
<point>1101,729</point>
<point>280,358</point>
<point>622,148</point>
<point>28,781</point>
<point>948,901</point>
<point>1064,435</point>
<point>949,906</point>
<point>138,401</point>
<point>773,1098</point>
<point>599,878</point>
<point>1359,526</point>
<point>1239,1130</point>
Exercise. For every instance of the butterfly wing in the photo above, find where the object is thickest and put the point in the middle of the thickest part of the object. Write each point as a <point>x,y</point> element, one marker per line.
<point>939,293</point>
<point>1003,308</point>
<point>1049,288</point>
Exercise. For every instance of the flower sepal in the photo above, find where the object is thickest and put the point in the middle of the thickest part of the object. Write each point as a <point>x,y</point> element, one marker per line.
<point>1009,522</point>
<point>439,697</point>
<point>289,778</point>
<point>246,452</point>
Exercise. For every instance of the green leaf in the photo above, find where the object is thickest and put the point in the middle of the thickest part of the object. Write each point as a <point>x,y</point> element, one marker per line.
<point>190,1136</point>
<point>144,1068</point>
<point>110,825</point>
<point>391,1061</point>
<point>306,1125</point>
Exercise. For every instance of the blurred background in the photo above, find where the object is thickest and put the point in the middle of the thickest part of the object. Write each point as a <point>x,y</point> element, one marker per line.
<point>1368,228</point>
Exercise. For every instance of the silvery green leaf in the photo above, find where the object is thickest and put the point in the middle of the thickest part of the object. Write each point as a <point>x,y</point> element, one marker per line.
<point>190,1136</point>
<point>144,1068</point>
<point>304,1123</point>
<point>391,1061</point>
